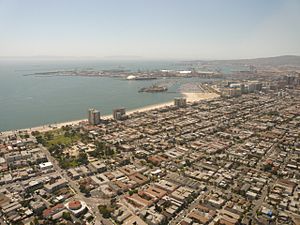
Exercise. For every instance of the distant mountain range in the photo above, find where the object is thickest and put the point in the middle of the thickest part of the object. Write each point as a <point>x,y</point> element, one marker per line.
<point>291,60</point>
<point>277,61</point>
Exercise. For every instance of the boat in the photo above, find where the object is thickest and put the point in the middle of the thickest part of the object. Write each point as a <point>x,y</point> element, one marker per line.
<point>153,89</point>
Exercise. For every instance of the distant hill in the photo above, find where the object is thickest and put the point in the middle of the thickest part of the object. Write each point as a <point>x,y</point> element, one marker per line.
<point>272,61</point>
<point>291,60</point>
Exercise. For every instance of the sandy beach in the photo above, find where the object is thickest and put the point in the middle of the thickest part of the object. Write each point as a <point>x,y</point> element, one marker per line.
<point>191,97</point>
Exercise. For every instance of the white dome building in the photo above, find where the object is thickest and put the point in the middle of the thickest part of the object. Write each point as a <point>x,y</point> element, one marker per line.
<point>77,208</point>
<point>130,77</point>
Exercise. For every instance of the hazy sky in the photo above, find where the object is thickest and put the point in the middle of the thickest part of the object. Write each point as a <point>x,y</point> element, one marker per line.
<point>150,29</point>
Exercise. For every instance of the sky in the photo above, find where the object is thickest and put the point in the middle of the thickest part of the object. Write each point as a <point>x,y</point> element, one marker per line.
<point>149,29</point>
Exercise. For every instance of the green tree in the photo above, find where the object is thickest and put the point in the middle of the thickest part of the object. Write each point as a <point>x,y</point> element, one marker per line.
<point>82,158</point>
<point>267,167</point>
<point>55,149</point>
<point>158,208</point>
<point>41,140</point>
<point>66,216</point>
<point>35,133</point>
<point>49,136</point>
<point>35,221</point>
<point>109,152</point>
<point>188,163</point>
<point>105,211</point>
<point>131,192</point>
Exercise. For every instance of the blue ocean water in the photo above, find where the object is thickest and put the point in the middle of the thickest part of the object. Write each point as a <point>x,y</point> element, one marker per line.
<point>28,101</point>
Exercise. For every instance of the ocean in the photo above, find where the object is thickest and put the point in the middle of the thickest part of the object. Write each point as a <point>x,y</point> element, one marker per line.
<point>29,101</point>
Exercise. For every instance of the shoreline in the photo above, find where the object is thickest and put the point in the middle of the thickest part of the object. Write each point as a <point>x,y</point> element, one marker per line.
<point>191,97</point>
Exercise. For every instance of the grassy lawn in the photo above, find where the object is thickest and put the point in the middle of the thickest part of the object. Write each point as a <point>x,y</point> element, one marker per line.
<point>56,141</point>
<point>58,137</point>
<point>61,139</point>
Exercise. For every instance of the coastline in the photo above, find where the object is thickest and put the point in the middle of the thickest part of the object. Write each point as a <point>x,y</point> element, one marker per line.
<point>191,97</point>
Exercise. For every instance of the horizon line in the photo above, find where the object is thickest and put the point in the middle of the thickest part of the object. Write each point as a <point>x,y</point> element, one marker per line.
<point>134,57</point>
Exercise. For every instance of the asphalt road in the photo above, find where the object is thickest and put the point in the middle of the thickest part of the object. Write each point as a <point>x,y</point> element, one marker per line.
<point>92,203</point>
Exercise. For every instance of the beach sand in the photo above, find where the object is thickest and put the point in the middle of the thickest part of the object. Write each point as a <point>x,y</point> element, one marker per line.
<point>191,97</point>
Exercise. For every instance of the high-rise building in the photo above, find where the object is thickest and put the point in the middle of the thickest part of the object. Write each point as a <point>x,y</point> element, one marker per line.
<point>243,89</point>
<point>90,116</point>
<point>231,92</point>
<point>293,79</point>
<point>94,117</point>
<point>180,102</point>
<point>119,114</point>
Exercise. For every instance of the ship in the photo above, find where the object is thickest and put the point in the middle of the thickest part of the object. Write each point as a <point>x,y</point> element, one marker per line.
<point>153,89</point>
<point>145,78</point>
<point>132,77</point>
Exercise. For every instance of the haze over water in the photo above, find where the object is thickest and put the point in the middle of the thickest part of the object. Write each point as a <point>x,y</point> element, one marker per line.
<point>28,101</point>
